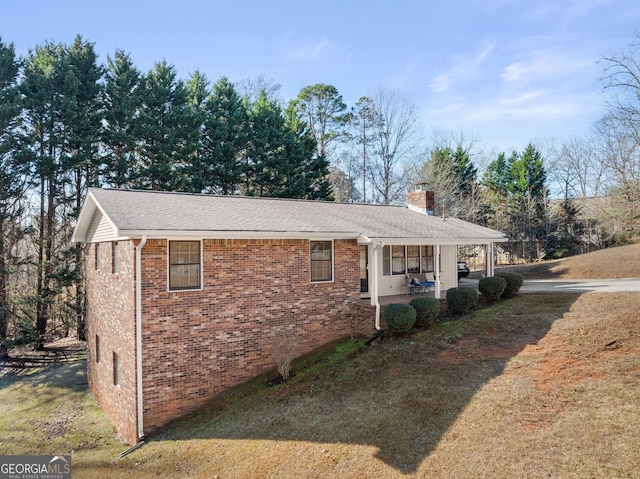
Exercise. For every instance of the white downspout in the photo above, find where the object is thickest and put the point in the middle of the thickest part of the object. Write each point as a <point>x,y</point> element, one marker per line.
<point>374,283</point>
<point>143,241</point>
<point>437,272</point>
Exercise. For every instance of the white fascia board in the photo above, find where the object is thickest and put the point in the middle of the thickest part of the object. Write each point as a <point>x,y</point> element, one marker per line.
<point>84,219</point>
<point>86,216</point>
<point>423,241</point>
<point>172,234</point>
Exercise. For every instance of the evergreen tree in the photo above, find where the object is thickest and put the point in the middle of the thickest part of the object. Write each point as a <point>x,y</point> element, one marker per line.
<point>518,194</point>
<point>266,166</point>
<point>219,167</point>
<point>167,130</point>
<point>50,88</point>
<point>321,107</point>
<point>122,100</point>
<point>496,182</point>
<point>309,177</point>
<point>363,122</point>
<point>453,177</point>
<point>83,164</point>
<point>13,173</point>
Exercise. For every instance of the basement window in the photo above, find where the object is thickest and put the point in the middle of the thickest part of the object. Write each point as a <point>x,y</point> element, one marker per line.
<point>184,265</point>
<point>115,267</point>
<point>116,369</point>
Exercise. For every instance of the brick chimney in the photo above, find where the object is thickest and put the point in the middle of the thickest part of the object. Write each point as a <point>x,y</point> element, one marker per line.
<point>421,200</point>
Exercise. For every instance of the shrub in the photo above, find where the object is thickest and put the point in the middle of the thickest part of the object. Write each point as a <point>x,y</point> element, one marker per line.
<point>427,310</point>
<point>399,317</point>
<point>492,288</point>
<point>514,283</point>
<point>461,300</point>
<point>284,342</point>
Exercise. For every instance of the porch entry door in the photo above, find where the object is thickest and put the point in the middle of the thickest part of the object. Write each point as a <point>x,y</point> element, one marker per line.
<point>364,269</point>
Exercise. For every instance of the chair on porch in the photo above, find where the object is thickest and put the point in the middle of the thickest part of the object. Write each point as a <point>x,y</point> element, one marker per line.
<point>411,285</point>
<point>419,282</point>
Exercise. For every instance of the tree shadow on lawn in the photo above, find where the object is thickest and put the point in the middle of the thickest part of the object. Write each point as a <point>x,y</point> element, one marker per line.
<point>400,396</point>
<point>24,362</point>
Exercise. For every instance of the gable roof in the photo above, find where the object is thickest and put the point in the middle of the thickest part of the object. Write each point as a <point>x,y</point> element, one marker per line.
<point>110,214</point>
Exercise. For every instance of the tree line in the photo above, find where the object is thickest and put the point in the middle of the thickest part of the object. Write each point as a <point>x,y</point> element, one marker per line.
<point>68,122</point>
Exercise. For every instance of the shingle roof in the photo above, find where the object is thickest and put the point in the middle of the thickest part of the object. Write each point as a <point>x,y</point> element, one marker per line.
<point>134,212</point>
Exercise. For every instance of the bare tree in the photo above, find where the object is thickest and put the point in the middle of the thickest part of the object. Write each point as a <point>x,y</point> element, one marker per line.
<point>394,139</point>
<point>618,140</point>
<point>575,167</point>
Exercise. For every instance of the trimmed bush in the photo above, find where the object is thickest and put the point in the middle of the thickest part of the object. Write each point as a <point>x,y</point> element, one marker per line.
<point>461,300</point>
<point>492,288</point>
<point>514,283</point>
<point>427,311</point>
<point>399,317</point>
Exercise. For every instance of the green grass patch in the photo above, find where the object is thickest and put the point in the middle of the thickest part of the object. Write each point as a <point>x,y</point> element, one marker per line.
<point>49,410</point>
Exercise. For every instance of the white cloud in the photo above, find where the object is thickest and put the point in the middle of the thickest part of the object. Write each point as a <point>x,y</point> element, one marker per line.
<point>464,68</point>
<point>542,65</point>
<point>305,50</point>
<point>403,77</point>
<point>534,107</point>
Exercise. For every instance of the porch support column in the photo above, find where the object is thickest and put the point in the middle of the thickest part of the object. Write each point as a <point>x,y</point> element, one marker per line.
<point>488,260</point>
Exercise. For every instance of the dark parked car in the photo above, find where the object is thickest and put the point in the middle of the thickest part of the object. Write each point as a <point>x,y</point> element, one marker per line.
<point>463,269</point>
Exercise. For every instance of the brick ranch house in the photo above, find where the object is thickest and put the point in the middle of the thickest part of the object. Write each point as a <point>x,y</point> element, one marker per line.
<point>184,291</point>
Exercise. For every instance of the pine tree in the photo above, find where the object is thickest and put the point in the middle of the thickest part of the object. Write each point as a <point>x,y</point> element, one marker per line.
<point>82,165</point>
<point>13,173</point>
<point>122,102</point>
<point>167,129</point>
<point>50,88</point>
<point>224,140</point>
<point>266,166</point>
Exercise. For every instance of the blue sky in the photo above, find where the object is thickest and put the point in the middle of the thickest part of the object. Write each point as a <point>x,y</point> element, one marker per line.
<point>504,71</point>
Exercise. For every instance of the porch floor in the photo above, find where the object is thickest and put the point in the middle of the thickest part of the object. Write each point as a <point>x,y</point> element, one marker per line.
<point>398,298</point>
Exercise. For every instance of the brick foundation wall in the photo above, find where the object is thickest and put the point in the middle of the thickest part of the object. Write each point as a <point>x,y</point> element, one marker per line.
<point>196,344</point>
<point>111,316</point>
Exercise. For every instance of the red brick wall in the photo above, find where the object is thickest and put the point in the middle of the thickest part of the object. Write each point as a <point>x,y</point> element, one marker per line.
<point>111,316</point>
<point>196,344</point>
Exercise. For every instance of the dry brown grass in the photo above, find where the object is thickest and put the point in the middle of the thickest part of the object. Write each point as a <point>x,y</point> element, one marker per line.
<point>620,262</point>
<point>541,385</point>
<point>533,387</point>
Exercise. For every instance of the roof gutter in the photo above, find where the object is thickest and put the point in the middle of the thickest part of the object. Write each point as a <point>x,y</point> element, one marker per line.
<point>140,404</point>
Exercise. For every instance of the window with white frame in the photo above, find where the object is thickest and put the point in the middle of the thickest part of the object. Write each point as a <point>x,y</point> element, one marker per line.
<point>321,256</point>
<point>426,258</point>
<point>398,256</point>
<point>413,259</point>
<point>400,259</point>
<point>184,265</point>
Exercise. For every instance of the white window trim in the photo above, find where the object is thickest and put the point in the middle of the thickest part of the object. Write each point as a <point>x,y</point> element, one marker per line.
<point>406,259</point>
<point>333,261</point>
<point>182,290</point>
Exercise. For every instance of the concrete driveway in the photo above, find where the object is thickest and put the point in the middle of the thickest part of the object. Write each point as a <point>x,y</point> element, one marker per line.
<point>624,285</point>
